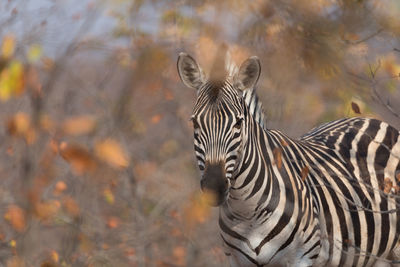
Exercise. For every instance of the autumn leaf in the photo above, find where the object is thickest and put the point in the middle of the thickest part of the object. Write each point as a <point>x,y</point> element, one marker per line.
<point>355,108</point>
<point>18,124</point>
<point>79,157</point>
<point>179,255</point>
<point>112,153</point>
<point>388,184</point>
<point>391,66</point>
<point>54,256</point>
<point>155,119</point>
<point>34,53</point>
<point>46,209</point>
<point>46,123</point>
<point>278,157</point>
<point>198,208</point>
<point>108,196</point>
<point>71,206</point>
<point>79,125</point>
<point>113,222</point>
<point>12,80</point>
<point>8,46</point>
<point>16,217</point>
<point>59,188</point>
<point>304,173</point>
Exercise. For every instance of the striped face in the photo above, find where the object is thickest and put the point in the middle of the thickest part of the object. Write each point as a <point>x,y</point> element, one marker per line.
<point>219,121</point>
<point>217,125</point>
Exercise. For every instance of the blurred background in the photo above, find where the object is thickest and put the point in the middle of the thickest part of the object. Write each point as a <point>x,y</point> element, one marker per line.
<point>96,149</point>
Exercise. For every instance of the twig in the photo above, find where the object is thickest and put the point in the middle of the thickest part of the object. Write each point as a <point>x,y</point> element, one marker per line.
<point>366,38</point>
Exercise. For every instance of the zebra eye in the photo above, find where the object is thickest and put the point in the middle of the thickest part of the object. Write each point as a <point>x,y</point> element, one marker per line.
<point>195,125</point>
<point>238,124</point>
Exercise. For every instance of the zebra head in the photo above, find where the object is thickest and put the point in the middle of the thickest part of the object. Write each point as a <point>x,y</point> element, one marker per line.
<point>219,120</point>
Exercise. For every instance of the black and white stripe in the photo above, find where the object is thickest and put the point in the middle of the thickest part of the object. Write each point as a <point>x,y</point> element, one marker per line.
<point>329,198</point>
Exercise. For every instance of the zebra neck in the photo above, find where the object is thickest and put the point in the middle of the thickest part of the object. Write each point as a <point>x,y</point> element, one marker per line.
<point>254,106</point>
<point>254,180</point>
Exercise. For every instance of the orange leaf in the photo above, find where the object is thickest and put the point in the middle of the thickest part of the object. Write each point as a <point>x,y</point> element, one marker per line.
<point>71,206</point>
<point>156,119</point>
<point>198,208</point>
<point>179,254</point>
<point>46,210</point>
<point>304,173</point>
<point>16,217</point>
<point>54,256</point>
<point>113,222</point>
<point>79,125</point>
<point>278,157</point>
<point>355,108</point>
<point>59,187</point>
<point>111,152</point>
<point>79,157</point>
<point>388,184</point>
<point>8,46</point>
<point>18,124</point>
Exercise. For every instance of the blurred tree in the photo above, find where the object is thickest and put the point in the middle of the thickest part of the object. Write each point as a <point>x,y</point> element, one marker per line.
<point>96,162</point>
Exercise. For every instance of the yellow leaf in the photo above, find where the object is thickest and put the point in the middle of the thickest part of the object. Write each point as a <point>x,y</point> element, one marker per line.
<point>54,256</point>
<point>34,53</point>
<point>108,195</point>
<point>8,46</point>
<point>13,243</point>
<point>79,125</point>
<point>12,80</point>
<point>111,152</point>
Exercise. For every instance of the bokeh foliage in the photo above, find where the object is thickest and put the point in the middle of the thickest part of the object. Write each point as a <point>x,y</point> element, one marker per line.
<point>96,160</point>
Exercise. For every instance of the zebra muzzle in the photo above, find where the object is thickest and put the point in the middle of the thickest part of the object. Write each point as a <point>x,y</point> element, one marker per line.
<point>215,183</point>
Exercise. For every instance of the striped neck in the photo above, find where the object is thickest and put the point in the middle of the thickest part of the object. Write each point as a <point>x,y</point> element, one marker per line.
<point>247,195</point>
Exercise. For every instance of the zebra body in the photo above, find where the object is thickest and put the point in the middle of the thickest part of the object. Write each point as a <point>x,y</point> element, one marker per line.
<point>329,198</point>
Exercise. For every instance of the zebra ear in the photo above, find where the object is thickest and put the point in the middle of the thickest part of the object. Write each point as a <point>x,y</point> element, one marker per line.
<point>189,71</point>
<point>248,74</point>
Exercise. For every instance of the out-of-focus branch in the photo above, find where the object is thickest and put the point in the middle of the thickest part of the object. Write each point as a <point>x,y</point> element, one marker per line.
<point>373,82</point>
<point>364,39</point>
<point>38,101</point>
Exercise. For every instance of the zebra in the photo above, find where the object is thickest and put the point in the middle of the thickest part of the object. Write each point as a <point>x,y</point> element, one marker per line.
<point>328,198</point>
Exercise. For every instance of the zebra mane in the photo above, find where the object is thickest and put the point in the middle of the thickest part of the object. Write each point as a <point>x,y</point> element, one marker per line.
<point>250,97</point>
